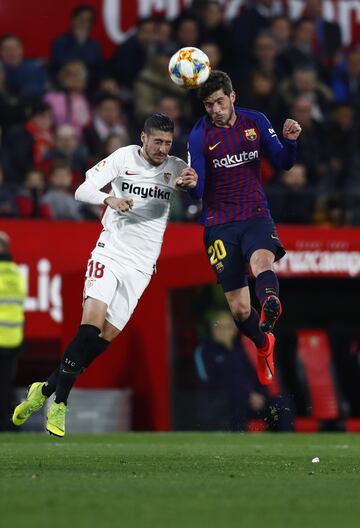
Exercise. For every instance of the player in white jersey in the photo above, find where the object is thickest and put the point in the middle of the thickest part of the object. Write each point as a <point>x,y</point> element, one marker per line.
<point>143,184</point>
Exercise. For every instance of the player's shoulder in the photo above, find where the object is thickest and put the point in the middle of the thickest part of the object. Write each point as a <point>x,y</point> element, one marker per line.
<point>254,115</point>
<point>128,150</point>
<point>176,163</point>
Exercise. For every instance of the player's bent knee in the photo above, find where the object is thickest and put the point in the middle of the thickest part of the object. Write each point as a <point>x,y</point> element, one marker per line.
<point>240,310</point>
<point>109,332</point>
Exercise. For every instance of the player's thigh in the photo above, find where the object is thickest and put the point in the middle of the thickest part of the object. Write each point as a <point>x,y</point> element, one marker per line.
<point>225,256</point>
<point>131,285</point>
<point>99,289</point>
<point>260,233</point>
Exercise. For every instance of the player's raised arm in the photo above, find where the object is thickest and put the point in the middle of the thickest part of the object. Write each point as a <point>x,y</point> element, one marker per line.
<point>282,154</point>
<point>96,178</point>
<point>196,157</point>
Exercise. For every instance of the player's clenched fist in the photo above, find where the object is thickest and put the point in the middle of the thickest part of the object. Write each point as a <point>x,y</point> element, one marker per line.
<point>121,205</point>
<point>187,179</point>
<point>291,129</point>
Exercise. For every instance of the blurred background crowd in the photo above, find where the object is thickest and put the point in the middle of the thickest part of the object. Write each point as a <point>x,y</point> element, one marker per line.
<point>60,116</point>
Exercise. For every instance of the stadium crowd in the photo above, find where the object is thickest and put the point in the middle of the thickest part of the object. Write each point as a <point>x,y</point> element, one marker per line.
<point>60,116</point>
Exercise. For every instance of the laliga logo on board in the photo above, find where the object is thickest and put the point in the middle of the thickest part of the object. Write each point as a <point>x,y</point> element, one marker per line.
<point>48,293</point>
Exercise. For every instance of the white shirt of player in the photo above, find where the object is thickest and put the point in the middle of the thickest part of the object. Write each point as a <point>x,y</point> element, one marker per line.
<point>135,237</point>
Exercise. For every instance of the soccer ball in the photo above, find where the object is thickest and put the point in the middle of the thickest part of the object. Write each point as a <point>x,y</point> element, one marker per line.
<point>189,67</point>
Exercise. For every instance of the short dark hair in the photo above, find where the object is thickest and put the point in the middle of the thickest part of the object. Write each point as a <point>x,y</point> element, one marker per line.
<point>39,108</point>
<point>80,9</point>
<point>158,122</point>
<point>218,80</point>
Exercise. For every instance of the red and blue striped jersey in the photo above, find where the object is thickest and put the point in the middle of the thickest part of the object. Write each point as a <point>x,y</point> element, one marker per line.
<point>227,161</point>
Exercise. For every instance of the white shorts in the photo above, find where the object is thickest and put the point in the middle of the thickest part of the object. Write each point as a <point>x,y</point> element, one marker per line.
<point>118,287</point>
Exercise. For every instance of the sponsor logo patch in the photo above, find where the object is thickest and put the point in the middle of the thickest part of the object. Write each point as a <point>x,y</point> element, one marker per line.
<point>100,165</point>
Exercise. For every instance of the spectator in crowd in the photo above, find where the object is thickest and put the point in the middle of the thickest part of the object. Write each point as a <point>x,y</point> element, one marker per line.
<point>343,136</point>
<point>69,102</point>
<point>25,79</point>
<point>301,51</point>
<point>346,80</point>
<point>163,31</point>
<point>12,296</point>
<point>187,31</point>
<point>264,58</point>
<point>281,29</point>
<point>59,197</point>
<point>330,211</point>
<point>78,45</point>
<point>26,145</point>
<point>249,23</point>
<point>212,14</point>
<point>115,141</point>
<point>67,147</point>
<point>12,108</point>
<point>304,82</point>
<point>8,206</point>
<point>230,392</point>
<point>312,145</point>
<point>30,194</point>
<point>290,200</point>
<point>327,42</point>
<point>263,95</point>
<point>107,120</point>
<point>130,56</point>
<point>154,82</point>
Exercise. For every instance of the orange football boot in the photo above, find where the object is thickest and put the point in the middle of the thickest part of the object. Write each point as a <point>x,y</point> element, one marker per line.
<point>265,367</point>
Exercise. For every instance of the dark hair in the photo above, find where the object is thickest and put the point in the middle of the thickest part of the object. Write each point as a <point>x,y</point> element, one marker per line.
<point>11,36</point>
<point>59,164</point>
<point>158,122</point>
<point>80,9</point>
<point>102,97</point>
<point>218,80</point>
<point>40,108</point>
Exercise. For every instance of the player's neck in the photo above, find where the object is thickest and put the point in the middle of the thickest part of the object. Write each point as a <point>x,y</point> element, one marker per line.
<point>148,159</point>
<point>231,121</point>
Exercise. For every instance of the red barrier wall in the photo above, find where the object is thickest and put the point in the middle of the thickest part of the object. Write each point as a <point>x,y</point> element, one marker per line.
<point>55,254</point>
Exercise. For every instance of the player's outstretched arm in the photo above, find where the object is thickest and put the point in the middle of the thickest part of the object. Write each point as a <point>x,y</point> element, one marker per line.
<point>120,205</point>
<point>187,179</point>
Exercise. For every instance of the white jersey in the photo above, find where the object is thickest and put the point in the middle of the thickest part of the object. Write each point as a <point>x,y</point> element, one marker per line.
<point>135,237</point>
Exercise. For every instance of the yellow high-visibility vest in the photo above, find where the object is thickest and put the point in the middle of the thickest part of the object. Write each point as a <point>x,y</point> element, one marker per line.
<point>12,295</point>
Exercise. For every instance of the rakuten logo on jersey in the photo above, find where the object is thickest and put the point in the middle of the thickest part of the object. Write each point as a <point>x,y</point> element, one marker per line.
<point>234,160</point>
<point>145,192</point>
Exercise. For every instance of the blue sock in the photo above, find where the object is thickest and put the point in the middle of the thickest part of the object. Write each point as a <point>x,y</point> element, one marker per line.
<point>266,284</point>
<point>250,327</point>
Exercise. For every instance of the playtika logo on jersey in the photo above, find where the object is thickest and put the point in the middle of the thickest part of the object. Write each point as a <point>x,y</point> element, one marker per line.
<point>233,160</point>
<point>145,192</point>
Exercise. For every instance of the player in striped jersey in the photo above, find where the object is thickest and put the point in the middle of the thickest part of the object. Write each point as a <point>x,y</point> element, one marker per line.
<point>225,149</point>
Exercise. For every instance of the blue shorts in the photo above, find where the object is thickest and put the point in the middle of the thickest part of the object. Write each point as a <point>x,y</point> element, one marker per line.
<point>230,246</point>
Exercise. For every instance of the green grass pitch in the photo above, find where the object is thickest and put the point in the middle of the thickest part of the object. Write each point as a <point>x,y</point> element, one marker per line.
<point>180,480</point>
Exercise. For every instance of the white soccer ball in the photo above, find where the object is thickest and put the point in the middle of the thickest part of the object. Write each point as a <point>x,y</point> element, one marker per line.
<point>189,67</point>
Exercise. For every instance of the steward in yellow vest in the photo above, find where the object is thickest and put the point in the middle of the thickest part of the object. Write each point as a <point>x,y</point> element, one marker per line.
<point>12,296</point>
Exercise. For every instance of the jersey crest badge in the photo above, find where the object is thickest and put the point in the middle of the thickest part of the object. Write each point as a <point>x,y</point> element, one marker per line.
<point>167,176</point>
<point>250,134</point>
